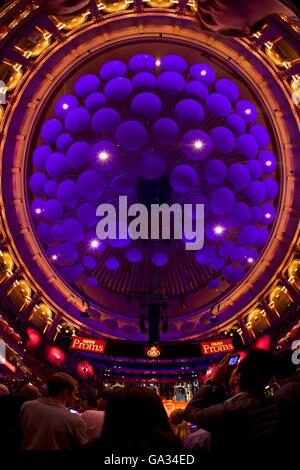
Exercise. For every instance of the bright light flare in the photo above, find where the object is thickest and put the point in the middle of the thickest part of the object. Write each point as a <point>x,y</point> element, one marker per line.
<point>198,145</point>
<point>218,229</point>
<point>103,155</point>
<point>94,244</point>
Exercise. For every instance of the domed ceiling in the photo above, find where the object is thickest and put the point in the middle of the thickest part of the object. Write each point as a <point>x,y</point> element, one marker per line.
<point>158,130</point>
<point>163,115</point>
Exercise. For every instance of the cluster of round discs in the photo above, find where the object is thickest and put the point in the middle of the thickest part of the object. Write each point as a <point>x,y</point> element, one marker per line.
<point>147,119</point>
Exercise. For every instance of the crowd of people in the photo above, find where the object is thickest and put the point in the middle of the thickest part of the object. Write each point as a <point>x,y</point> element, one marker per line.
<point>231,408</point>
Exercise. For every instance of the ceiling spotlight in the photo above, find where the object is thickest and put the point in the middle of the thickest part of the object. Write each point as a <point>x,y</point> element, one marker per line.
<point>218,229</point>
<point>203,73</point>
<point>268,215</point>
<point>268,163</point>
<point>94,244</point>
<point>38,211</point>
<point>65,106</point>
<point>103,156</point>
<point>54,257</point>
<point>158,62</point>
<point>248,111</point>
<point>198,144</point>
<point>250,260</point>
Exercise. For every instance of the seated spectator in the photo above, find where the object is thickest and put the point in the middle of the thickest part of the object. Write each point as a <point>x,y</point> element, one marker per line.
<point>248,420</point>
<point>136,423</point>
<point>4,390</point>
<point>47,424</point>
<point>288,377</point>
<point>104,395</point>
<point>288,394</point>
<point>29,392</point>
<point>93,418</point>
<point>10,405</point>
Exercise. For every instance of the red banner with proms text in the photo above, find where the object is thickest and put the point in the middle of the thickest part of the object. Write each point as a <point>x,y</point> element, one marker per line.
<point>217,347</point>
<point>88,345</point>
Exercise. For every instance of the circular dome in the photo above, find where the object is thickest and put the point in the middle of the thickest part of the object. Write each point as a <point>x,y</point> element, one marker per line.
<point>173,134</point>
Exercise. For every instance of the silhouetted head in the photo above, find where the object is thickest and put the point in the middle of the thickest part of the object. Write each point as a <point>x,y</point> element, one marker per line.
<point>135,419</point>
<point>104,395</point>
<point>63,387</point>
<point>4,390</point>
<point>176,417</point>
<point>29,392</point>
<point>256,370</point>
<point>284,365</point>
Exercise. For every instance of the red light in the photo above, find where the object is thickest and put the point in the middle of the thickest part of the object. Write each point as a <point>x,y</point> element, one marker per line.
<point>56,355</point>
<point>8,364</point>
<point>85,369</point>
<point>263,343</point>
<point>34,338</point>
<point>242,354</point>
<point>209,372</point>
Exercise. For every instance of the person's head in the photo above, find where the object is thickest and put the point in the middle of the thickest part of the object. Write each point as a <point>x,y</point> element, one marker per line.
<point>4,390</point>
<point>255,371</point>
<point>29,392</point>
<point>104,395</point>
<point>135,419</point>
<point>91,398</point>
<point>176,417</point>
<point>284,365</point>
<point>63,387</point>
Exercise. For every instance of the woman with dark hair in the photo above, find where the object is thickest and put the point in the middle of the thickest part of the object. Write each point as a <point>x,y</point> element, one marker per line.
<point>136,421</point>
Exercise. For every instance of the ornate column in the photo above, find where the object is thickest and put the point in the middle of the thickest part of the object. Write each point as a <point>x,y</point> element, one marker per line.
<point>5,286</point>
<point>244,333</point>
<point>51,329</point>
<point>271,315</point>
<point>293,293</point>
<point>28,309</point>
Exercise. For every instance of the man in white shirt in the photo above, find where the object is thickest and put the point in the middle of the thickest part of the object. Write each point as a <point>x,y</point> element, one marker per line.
<point>47,424</point>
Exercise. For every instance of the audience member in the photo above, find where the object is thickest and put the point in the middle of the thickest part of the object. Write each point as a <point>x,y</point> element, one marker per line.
<point>10,405</point>
<point>288,377</point>
<point>47,424</point>
<point>136,422</point>
<point>104,395</point>
<point>93,418</point>
<point>248,419</point>
<point>4,390</point>
<point>288,394</point>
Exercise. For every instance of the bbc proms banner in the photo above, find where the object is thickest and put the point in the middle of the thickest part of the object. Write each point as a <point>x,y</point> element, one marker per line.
<point>88,344</point>
<point>217,347</point>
